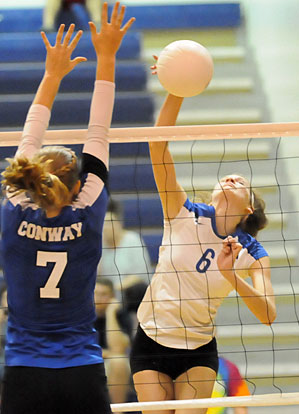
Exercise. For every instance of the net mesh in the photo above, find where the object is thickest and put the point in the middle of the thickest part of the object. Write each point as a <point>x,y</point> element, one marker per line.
<point>267,356</point>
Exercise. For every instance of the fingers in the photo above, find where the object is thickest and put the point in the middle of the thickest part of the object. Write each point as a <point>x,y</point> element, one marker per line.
<point>232,245</point>
<point>45,40</point>
<point>75,41</point>
<point>104,14</point>
<point>93,29</point>
<point>114,14</point>
<point>128,24</point>
<point>68,35</point>
<point>121,16</point>
<point>59,34</point>
<point>78,60</point>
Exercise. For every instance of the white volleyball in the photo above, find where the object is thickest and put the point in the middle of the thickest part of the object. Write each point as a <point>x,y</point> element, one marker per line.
<point>185,68</point>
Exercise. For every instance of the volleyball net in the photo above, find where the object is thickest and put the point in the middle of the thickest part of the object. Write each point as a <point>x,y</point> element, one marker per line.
<point>267,155</point>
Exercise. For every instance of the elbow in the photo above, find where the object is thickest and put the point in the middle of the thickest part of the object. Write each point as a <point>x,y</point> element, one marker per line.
<point>270,317</point>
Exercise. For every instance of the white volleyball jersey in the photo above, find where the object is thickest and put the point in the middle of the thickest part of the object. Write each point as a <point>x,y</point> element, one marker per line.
<point>181,302</point>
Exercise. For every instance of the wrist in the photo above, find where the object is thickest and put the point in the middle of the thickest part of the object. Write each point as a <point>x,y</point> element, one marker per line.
<point>53,77</point>
<point>106,57</point>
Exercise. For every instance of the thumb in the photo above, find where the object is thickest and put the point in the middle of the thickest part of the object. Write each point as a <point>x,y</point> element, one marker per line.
<point>93,29</point>
<point>78,60</point>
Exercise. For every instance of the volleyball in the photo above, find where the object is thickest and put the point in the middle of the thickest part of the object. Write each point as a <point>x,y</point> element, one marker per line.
<point>185,68</point>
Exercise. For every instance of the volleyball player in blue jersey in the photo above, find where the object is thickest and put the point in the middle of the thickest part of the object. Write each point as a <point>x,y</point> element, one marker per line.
<point>207,251</point>
<point>52,223</point>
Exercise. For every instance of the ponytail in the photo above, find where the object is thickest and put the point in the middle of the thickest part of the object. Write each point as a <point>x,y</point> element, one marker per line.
<point>257,220</point>
<point>48,178</point>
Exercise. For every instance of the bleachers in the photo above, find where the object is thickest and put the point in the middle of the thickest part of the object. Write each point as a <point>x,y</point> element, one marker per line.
<point>22,78</point>
<point>29,47</point>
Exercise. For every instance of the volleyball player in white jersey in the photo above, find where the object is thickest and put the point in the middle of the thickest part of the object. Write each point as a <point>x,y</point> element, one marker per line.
<point>52,224</point>
<point>207,251</point>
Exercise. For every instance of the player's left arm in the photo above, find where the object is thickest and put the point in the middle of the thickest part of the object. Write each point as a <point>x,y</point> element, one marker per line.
<point>260,273</point>
<point>259,296</point>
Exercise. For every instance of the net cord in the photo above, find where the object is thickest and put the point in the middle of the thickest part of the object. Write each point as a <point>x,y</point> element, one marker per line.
<point>173,133</point>
<point>263,400</point>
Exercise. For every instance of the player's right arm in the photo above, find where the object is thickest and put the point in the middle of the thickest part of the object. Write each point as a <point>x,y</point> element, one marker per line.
<point>171,193</point>
<point>58,64</point>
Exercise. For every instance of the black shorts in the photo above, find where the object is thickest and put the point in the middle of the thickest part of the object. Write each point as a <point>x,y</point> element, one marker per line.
<point>146,354</point>
<point>74,390</point>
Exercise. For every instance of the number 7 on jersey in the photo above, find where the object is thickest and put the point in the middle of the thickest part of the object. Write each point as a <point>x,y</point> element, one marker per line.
<point>50,290</point>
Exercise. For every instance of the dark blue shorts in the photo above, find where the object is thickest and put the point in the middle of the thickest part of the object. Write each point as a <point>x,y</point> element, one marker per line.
<point>146,354</point>
<point>75,390</point>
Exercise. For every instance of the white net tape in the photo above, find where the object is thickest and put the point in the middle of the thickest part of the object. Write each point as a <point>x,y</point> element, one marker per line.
<point>265,400</point>
<point>177,133</point>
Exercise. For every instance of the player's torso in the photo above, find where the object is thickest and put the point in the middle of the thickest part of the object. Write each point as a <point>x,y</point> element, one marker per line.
<point>50,264</point>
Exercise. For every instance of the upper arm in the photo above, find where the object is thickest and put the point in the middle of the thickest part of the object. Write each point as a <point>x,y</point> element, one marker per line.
<point>101,109</point>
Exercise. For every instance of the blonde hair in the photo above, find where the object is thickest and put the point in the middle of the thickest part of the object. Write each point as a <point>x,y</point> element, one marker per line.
<point>48,177</point>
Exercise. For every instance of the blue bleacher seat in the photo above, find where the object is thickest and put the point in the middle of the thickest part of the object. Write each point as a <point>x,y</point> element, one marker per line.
<point>29,47</point>
<point>181,16</point>
<point>24,78</point>
<point>73,109</point>
<point>132,178</point>
<point>133,149</point>
<point>203,15</point>
<point>141,213</point>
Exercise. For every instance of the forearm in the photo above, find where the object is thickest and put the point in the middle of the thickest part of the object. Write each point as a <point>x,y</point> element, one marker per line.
<point>167,117</point>
<point>261,305</point>
<point>100,119</point>
<point>38,116</point>
<point>106,67</point>
<point>171,193</point>
<point>47,90</point>
<point>169,111</point>
<point>161,157</point>
<point>34,129</point>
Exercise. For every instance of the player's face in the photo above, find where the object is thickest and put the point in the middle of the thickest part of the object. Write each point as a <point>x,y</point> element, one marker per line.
<point>232,188</point>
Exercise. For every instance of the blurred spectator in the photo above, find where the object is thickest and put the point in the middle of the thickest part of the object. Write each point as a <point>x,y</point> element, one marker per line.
<point>113,324</point>
<point>123,251</point>
<point>229,383</point>
<point>133,290</point>
<point>53,8</point>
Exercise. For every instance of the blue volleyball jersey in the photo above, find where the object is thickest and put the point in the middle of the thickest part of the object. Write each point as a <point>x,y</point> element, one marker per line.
<point>50,263</point>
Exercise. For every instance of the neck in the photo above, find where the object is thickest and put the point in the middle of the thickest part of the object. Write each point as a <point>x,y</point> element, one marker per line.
<point>53,212</point>
<point>226,221</point>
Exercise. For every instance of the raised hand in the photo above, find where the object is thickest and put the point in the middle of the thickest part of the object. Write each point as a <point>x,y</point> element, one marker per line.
<point>226,258</point>
<point>59,62</point>
<point>108,40</point>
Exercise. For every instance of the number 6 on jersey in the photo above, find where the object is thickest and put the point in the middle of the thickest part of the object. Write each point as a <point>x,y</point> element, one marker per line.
<point>50,290</point>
